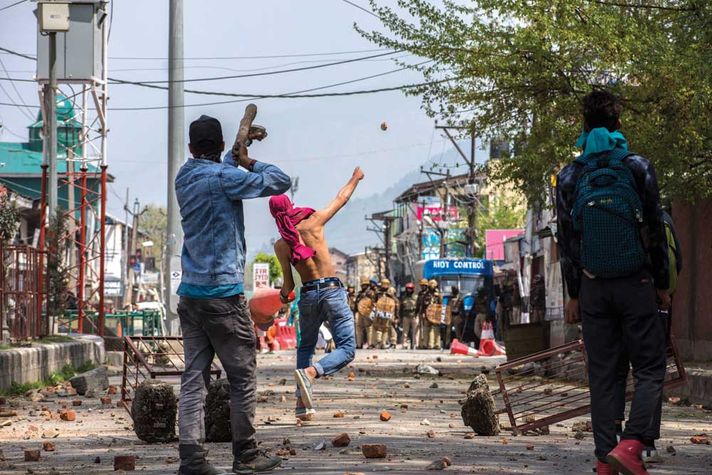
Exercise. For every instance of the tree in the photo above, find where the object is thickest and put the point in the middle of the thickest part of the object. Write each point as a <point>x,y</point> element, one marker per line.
<point>275,269</point>
<point>518,69</point>
<point>499,212</point>
<point>9,218</point>
<point>57,279</point>
<point>154,223</point>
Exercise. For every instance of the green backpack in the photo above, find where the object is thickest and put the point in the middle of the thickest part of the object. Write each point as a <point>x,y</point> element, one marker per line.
<point>674,255</point>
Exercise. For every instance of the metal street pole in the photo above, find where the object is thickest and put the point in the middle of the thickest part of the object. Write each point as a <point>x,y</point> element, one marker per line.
<point>176,156</point>
<point>472,210</point>
<point>51,98</point>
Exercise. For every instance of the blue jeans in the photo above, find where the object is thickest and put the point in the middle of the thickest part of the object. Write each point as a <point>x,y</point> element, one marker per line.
<point>315,307</point>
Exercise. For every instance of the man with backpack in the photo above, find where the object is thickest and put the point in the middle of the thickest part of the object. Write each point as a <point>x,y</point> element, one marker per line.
<point>614,260</point>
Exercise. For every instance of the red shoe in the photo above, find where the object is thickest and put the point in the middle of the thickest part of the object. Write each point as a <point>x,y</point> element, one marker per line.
<point>603,468</point>
<point>626,458</point>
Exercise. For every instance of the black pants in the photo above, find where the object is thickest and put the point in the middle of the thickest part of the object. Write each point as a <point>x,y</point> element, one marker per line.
<point>623,370</point>
<point>620,317</point>
<point>223,327</point>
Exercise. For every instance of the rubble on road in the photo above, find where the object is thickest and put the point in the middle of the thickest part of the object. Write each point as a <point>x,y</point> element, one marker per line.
<point>154,409</point>
<point>426,369</point>
<point>95,380</point>
<point>32,455</point>
<point>374,451</point>
<point>478,410</point>
<point>582,426</point>
<point>125,462</point>
<point>341,440</point>
<point>385,416</point>
<point>700,439</point>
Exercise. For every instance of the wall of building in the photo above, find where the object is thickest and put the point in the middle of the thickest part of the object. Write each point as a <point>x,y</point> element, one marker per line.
<point>692,306</point>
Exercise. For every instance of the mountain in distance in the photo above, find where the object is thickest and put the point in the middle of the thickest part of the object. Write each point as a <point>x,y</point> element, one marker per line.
<point>348,232</point>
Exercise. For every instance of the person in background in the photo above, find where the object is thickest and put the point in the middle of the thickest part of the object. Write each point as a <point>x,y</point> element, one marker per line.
<point>537,301</point>
<point>419,337</point>
<point>432,330</point>
<point>363,322</point>
<point>409,316</point>
<point>455,304</point>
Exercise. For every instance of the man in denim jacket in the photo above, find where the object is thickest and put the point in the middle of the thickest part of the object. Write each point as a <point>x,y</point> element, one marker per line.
<point>213,315</point>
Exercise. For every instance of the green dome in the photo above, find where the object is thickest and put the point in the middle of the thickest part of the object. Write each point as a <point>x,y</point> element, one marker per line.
<point>68,128</point>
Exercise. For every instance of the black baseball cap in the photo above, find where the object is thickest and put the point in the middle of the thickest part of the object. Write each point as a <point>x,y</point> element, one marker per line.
<point>205,132</point>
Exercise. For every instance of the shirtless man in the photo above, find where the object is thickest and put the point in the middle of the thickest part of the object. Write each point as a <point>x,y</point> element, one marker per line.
<point>322,296</point>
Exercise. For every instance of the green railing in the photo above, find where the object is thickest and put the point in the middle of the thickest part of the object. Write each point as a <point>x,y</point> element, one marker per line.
<point>121,323</point>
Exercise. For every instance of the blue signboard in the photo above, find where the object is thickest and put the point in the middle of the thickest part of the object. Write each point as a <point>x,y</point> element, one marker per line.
<point>457,267</point>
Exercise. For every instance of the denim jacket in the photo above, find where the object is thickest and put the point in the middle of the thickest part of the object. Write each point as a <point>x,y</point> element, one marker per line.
<point>210,198</point>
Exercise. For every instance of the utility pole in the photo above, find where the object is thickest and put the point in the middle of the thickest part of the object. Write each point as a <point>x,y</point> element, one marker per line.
<point>471,189</point>
<point>127,253</point>
<point>176,156</point>
<point>51,123</point>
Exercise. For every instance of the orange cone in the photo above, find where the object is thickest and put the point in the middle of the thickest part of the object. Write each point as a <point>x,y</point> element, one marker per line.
<point>264,304</point>
<point>457,348</point>
<point>488,346</point>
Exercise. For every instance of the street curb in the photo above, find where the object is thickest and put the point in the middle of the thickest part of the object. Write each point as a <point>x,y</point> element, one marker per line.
<point>37,363</point>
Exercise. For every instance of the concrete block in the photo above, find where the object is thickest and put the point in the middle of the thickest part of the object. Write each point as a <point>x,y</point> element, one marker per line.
<point>38,362</point>
<point>95,380</point>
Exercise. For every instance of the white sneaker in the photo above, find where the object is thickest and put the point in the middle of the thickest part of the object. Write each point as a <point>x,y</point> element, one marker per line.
<point>651,455</point>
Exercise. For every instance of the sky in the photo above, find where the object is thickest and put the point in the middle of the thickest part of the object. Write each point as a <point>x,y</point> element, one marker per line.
<point>318,140</point>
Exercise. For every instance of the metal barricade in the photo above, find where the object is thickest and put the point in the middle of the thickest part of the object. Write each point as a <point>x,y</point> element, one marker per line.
<point>552,385</point>
<point>153,357</point>
<point>22,292</point>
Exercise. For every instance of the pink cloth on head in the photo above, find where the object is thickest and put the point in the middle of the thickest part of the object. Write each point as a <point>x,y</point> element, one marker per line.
<point>287,217</point>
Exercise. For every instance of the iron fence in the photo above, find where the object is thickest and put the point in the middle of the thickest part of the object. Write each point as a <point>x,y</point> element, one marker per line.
<point>23,296</point>
<point>552,385</point>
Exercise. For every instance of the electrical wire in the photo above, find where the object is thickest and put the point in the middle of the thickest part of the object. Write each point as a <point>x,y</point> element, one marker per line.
<point>361,8</point>
<point>266,73</point>
<point>12,5</point>
<point>270,56</point>
<point>230,94</point>
<point>26,110</point>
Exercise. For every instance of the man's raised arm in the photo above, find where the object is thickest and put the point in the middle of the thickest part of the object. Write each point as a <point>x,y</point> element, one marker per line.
<point>260,179</point>
<point>342,197</point>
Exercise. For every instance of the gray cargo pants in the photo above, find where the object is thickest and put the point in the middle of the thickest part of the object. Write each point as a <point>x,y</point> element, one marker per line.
<point>223,327</point>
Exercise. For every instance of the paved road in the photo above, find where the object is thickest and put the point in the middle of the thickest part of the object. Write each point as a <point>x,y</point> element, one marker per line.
<point>384,380</point>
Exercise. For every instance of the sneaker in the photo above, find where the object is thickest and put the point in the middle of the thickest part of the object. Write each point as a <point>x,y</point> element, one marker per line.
<point>603,468</point>
<point>304,413</point>
<point>626,458</point>
<point>255,461</point>
<point>193,462</point>
<point>651,455</point>
<point>305,387</point>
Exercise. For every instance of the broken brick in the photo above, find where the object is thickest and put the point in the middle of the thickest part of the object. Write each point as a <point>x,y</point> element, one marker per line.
<point>430,434</point>
<point>341,440</point>
<point>385,416</point>
<point>48,446</point>
<point>339,414</point>
<point>76,403</point>
<point>702,439</point>
<point>105,400</point>
<point>374,451</point>
<point>32,455</point>
<point>351,376</point>
<point>530,447</point>
<point>112,390</point>
<point>68,415</point>
<point>124,462</point>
